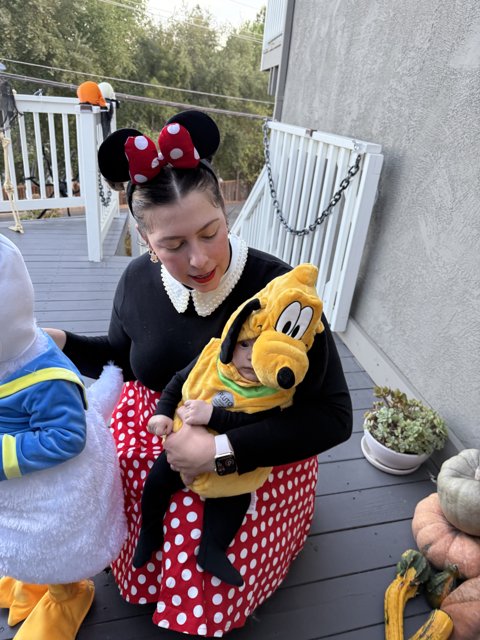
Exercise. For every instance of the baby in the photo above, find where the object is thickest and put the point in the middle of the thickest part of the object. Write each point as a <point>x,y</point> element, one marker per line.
<point>242,378</point>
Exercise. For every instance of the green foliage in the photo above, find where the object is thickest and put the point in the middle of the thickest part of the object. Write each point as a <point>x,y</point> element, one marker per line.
<point>187,52</point>
<point>404,424</point>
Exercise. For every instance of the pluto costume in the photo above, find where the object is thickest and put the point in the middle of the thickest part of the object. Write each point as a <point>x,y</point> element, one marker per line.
<point>283,318</point>
<point>61,502</point>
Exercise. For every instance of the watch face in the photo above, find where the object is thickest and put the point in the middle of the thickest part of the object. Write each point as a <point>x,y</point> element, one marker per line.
<point>225,464</point>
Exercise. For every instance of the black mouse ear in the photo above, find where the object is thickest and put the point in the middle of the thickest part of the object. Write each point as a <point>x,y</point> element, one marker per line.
<point>202,129</point>
<point>112,161</point>
<point>228,345</point>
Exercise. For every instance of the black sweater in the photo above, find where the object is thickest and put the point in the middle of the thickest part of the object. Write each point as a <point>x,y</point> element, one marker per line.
<point>151,341</point>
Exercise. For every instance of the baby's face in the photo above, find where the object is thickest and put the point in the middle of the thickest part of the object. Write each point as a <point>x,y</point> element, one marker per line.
<point>242,359</point>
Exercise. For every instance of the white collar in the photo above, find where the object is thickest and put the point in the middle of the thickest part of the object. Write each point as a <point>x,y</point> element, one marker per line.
<point>206,303</point>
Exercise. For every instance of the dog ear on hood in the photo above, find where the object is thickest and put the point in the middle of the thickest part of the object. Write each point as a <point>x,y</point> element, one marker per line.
<point>228,345</point>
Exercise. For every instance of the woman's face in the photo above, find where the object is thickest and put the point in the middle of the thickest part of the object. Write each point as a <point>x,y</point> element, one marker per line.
<point>190,238</point>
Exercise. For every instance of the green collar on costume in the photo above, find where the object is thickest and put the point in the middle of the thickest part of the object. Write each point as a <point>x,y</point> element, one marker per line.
<point>247,392</point>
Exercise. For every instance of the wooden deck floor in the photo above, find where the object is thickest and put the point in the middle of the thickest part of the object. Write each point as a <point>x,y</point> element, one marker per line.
<point>362,520</point>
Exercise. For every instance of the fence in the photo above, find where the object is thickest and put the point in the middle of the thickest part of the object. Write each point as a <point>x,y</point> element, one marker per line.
<point>43,140</point>
<point>307,169</point>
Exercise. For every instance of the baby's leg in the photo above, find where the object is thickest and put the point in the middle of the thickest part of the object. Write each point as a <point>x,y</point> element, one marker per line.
<point>221,521</point>
<point>160,485</point>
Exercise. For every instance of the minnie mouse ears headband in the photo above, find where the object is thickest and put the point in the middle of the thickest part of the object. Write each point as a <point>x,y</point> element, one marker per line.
<point>186,139</point>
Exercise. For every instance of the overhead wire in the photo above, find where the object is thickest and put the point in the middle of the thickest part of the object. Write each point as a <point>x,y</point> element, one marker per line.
<point>156,13</point>
<point>137,82</point>
<point>134,98</point>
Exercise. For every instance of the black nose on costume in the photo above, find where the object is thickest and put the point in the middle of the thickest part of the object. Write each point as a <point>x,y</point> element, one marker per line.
<point>285,378</point>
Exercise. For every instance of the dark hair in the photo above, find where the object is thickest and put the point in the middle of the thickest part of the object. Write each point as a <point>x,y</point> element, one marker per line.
<point>169,187</point>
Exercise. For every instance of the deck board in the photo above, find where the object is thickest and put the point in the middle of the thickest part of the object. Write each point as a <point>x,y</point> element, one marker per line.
<point>362,519</point>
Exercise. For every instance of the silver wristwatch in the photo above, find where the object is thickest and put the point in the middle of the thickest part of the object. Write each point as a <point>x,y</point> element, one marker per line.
<point>225,462</point>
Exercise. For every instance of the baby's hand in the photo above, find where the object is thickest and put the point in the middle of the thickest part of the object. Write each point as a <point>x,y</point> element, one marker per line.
<point>160,425</point>
<point>198,412</point>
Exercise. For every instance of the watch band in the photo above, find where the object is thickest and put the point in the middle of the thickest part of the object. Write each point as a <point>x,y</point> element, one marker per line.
<point>224,457</point>
<point>222,445</point>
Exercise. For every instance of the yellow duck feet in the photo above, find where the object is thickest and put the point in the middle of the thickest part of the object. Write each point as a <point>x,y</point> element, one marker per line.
<point>19,597</point>
<point>60,612</point>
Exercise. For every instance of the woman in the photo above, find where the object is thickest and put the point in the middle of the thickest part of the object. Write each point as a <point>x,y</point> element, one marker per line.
<point>167,306</point>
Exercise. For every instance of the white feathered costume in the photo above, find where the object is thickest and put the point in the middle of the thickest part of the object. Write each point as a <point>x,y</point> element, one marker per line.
<point>62,524</point>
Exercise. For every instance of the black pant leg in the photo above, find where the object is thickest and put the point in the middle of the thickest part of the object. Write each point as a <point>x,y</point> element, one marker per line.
<point>221,521</point>
<point>160,485</point>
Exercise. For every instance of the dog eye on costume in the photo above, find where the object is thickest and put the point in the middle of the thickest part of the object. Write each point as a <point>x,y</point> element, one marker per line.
<point>294,320</point>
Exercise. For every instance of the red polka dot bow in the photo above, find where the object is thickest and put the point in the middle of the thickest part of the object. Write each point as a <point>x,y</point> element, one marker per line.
<point>176,149</point>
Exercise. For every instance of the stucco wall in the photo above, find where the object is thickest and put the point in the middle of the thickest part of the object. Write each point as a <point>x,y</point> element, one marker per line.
<point>406,75</point>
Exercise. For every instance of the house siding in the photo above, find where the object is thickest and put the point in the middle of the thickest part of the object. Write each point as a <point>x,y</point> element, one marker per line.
<point>406,75</point>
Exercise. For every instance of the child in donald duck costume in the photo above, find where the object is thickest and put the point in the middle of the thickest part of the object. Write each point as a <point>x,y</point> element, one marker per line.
<point>61,503</point>
<point>279,324</point>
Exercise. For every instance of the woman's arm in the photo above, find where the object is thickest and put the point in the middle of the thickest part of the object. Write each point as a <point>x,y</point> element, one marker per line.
<point>320,417</point>
<point>91,353</point>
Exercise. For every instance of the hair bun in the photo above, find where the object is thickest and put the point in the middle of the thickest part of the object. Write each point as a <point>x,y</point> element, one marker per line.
<point>202,129</point>
<point>112,161</point>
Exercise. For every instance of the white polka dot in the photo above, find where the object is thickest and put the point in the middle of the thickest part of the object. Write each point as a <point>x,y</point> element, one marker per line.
<point>141,579</point>
<point>253,564</point>
<point>175,523</point>
<point>231,557</point>
<point>166,547</point>
<point>198,611</point>
<point>243,536</point>
<point>176,600</point>
<point>155,163</point>
<point>139,178</point>
<point>170,582</point>
<point>173,507</point>
<point>196,155</point>
<point>192,592</point>
<point>218,634</point>
<point>164,623</point>
<point>176,153</point>
<point>195,534</point>
<point>133,590</point>
<point>243,553</point>
<point>186,574</point>
<point>160,155</point>
<point>202,630</point>
<point>215,581</point>
<point>187,501</point>
<point>217,598</point>
<point>182,557</point>
<point>192,516</point>
<point>182,618</point>
<point>152,589</point>
<point>218,617</point>
<point>141,142</point>
<point>168,564</point>
<point>173,128</point>
<point>178,539</point>
<point>231,593</point>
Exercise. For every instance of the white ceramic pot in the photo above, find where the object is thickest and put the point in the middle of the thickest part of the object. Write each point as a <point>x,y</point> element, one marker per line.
<point>389,460</point>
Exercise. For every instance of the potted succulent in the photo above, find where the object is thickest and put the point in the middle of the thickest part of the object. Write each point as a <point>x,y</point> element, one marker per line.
<point>400,432</point>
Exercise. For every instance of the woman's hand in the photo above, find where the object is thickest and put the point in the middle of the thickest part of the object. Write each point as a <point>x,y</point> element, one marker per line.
<point>58,336</point>
<point>191,450</point>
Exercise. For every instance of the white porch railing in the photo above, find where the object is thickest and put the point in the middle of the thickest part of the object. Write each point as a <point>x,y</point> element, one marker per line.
<point>45,136</point>
<point>307,169</point>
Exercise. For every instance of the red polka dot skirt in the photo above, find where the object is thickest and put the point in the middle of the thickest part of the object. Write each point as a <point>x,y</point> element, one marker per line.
<point>189,599</point>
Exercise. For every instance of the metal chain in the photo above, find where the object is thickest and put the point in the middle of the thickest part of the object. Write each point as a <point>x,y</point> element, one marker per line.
<point>105,199</point>
<point>352,171</point>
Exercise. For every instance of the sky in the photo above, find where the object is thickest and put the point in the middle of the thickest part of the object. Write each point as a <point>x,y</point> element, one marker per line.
<point>232,12</point>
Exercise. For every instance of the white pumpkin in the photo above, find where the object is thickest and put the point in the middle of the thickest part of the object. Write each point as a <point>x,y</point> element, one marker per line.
<point>458,487</point>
